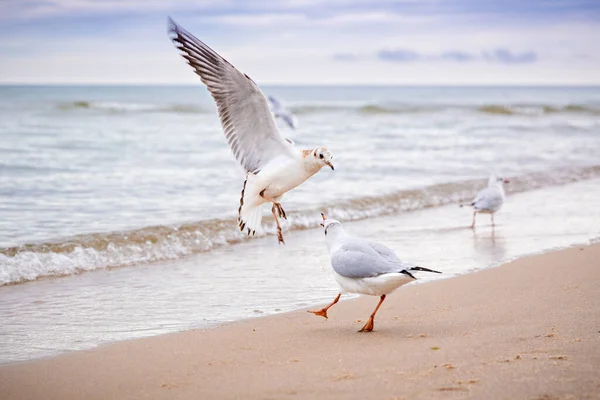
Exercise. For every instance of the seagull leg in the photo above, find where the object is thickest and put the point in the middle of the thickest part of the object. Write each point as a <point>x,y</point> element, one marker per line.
<point>473,223</point>
<point>492,214</point>
<point>276,209</point>
<point>280,210</point>
<point>323,312</point>
<point>371,322</point>
<point>279,232</point>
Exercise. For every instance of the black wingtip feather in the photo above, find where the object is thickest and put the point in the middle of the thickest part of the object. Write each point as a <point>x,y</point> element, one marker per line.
<point>424,269</point>
<point>172,26</point>
<point>405,272</point>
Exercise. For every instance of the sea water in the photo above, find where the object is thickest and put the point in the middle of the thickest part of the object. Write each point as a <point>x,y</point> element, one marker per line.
<point>137,185</point>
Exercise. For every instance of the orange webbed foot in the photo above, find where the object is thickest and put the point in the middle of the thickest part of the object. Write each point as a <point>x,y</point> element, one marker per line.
<point>321,313</point>
<point>368,326</point>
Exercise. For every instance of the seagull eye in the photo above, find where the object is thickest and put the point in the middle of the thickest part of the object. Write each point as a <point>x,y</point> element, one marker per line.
<point>321,156</point>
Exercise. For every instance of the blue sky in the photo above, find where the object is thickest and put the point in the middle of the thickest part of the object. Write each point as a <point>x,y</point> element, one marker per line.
<point>306,41</point>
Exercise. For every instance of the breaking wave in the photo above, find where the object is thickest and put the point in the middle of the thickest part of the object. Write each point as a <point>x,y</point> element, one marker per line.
<point>366,109</point>
<point>489,109</point>
<point>539,109</point>
<point>118,107</point>
<point>118,249</point>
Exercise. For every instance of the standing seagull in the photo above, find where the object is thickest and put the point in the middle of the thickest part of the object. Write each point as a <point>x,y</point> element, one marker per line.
<point>490,199</point>
<point>279,111</point>
<point>273,165</point>
<point>364,267</point>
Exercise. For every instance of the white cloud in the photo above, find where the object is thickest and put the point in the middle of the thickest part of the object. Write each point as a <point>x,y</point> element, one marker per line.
<point>289,20</point>
<point>294,47</point>
<point>27,10</point>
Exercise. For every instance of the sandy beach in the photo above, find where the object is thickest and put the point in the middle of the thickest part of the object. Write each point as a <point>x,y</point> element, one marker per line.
<point>528,329</point>
<point>144,172</point>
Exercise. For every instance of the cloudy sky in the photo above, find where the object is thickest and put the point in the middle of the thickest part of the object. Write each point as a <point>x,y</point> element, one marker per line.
<point>306,41</point>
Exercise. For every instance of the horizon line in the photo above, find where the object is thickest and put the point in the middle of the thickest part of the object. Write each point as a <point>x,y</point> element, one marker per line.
<point>588,85</point>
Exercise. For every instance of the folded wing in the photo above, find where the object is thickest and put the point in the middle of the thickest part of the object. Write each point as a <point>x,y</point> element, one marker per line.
<point>488,199</point>
<point>384,251</point>
<point>359,259</point>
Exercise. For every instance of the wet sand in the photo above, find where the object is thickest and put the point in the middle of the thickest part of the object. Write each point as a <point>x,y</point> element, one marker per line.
<point>528,329</point>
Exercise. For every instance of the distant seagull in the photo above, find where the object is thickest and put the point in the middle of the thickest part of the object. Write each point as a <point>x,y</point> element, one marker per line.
<point>273,165</point>
<point>279,111</point>
<point>364,267</point>
<point>490,199</point>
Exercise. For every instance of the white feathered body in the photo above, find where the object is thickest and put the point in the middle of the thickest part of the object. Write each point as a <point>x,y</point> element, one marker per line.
<point>489,200</point>
<point>284,174</point>
<point>271,183</point>
<point>382,284</point>
<point>364,267</point>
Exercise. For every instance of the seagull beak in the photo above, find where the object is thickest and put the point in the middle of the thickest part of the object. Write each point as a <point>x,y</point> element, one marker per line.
<point>506,181</point>
<point>330,165</point>
<point>324,219</point>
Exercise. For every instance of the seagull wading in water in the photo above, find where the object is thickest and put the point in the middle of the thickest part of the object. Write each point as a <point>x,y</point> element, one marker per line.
<point>273,165</point>
<point>490,199</point>
<point>361,266</point>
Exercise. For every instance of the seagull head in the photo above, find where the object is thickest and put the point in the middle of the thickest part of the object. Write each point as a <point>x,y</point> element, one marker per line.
<point>497,181</point>
<point>329,223</point>
<point>323,157</point>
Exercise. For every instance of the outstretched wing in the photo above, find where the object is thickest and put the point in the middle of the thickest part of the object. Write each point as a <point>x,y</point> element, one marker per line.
<point>289,119</point>
<point>281,112</point>
<point>247,122</point>
<point>274,104</point>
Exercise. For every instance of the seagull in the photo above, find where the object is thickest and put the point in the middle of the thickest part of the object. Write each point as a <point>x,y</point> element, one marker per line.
<point>272,164</point>
<point>279,111</point>
<point>490,199</point>
<point>361,266</point>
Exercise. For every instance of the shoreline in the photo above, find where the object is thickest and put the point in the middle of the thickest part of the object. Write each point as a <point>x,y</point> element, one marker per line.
<point>525,329</point>
<point>192,236</point>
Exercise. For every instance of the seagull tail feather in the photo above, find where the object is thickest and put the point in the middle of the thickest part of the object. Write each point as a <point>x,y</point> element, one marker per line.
<point>250,212</point>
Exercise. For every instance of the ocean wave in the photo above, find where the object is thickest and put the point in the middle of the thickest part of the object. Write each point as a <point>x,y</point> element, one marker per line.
<point>119,107</point>
<point>318,109</point>
<point>366,109</point>
<point>537,109</point>
<point>119,249</point>
<point>379,109</point>
<point>489,109</point>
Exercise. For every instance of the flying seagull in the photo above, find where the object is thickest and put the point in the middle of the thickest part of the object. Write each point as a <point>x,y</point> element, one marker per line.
<point>490,199</point>
<point>279,111</point>
<point>272,164</point>
<point>361,266</point>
